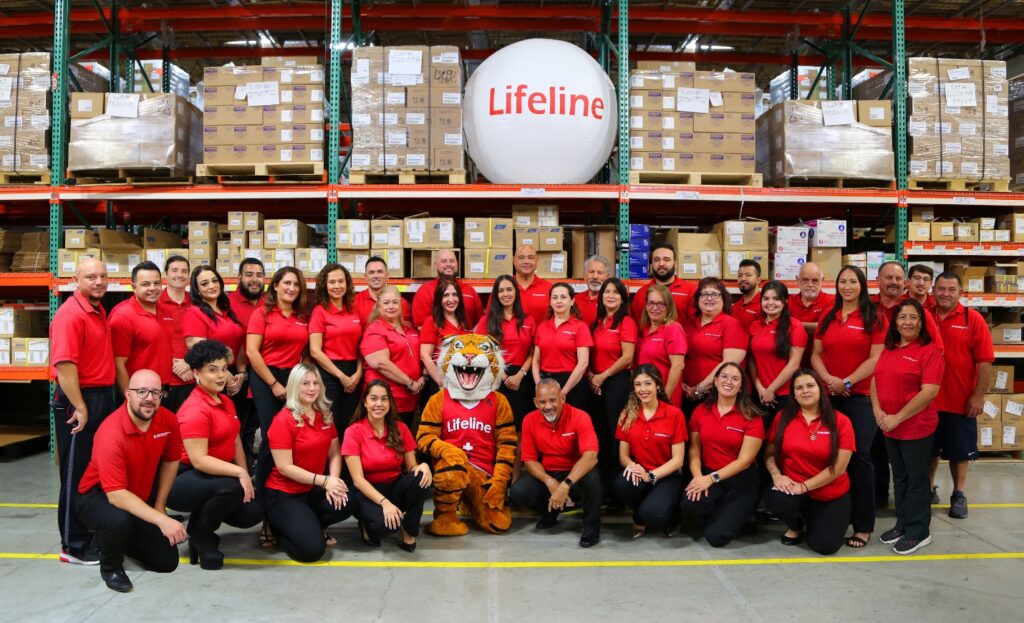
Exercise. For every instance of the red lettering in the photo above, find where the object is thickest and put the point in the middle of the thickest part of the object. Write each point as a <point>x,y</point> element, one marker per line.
<point>578,98</point>
<point>535,99</point>
<point>494,111</point>
<point>597,108</point>
<point>551,103</point>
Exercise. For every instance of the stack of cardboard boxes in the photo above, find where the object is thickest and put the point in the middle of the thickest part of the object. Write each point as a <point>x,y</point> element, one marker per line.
<point>1016,86</point>
<point>825,139</point>
<point>19,345</point>
<point>407,109</point>
<point>805,79</point>
<point>25,113</point>
<point>683,120</point>
<point>488,245</point>
<point>119,251</point>
<point>639,251</point>
<point>539,226</point>
<point>742,239</point>
<point>179,79</point>
<point>134,131</point>
<point>266,114</point>
<point>1001,422</point>
<point>959,119</point>
<point>698,255</point>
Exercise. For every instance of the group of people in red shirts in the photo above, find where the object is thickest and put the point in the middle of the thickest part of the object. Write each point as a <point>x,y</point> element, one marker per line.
<point>678,397</point>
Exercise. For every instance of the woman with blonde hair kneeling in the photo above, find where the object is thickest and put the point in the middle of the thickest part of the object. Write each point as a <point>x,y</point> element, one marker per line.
<point>301,500</point>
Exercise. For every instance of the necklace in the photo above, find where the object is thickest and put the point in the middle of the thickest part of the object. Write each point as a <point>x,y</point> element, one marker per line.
<point>814,433</point>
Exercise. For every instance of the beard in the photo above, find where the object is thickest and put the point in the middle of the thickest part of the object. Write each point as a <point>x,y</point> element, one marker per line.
<point>665,274</point>
<point>249,294</point>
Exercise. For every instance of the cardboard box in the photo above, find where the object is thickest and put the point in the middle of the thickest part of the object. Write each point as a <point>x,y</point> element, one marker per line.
<point>1007,333</point>
<point>731,262</point>
<point>488,233</point>
<point>742,235</point>
<point>487,263</point>
<point>394,258</point>
<point>725,122</point>
<point>355,262</point>
<point>540,238</point>
<point>80,238</point>
<point>311,261</point>
<point>254,239</point>
<point>943,231</point>
<point>16,322</point>
<point>1011,436</point>
<point>387,233</point>
<point>698,264</point>
<point>30,351</point>
<point>67,260</point>
<point>719,143</point>
<point>972,277</point>
<point>992,408</point>
<point>1002,380</point>
<point>119,264</point>
<point>159,239</point>
<point>1012,410</point>
<point>828,233</point>
<point>718,163</point>
<point>253,221</point>
<point>875,113</point>
<point>918,231</point>
<point>588,241</point>
<point>423,232</point>
<point>786,266</point>
<point>87,105</point>
<point>232,115</point>
<point>232,154</point>
<point>201,230</point>
<point>989,435</point>
<point>422,262</point>
<point>830,260</point>
<point>966,232</point>
<point>5,351</point>
<point>535,215</point>
<point>285,234</point>
<point>236,221</point>
<point>790,239</point>
<point>352,234</point>
<point>552,265</point>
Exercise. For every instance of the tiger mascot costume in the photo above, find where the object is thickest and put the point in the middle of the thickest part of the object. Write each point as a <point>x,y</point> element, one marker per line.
<point>468,431</point>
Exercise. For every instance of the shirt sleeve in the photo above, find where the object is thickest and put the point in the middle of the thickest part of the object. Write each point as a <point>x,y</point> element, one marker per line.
<point>680,434</point>
<point>755,428</point>
<point>734,336</point>
<point>481,326</point>
<point>878,335</point>
<point>847,439</point>
<point>529,446</point>
<point>352,444</point>
<point>318,320</point>
<point>66,339</point>
<point>111,465</point>
<point>257,323</point>
<point>281,435</point>
<point>192,324</point>
<point>696,417</point>
<point>421,303</point>
<point>121,333</point>
<point>675,339</point>
<point>373,341</point>
<point>172,451</point>
<point>933,366</point>
<point>195,423</point>
<point>797,334</point>
<point>585,435</point>
<point>428,334</point>
<point>583,337</point>
<point>620,434</point>
<point>627,331</point>
<point>408,443</point>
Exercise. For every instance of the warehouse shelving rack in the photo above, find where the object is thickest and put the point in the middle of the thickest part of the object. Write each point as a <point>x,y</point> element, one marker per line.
<point>610,23</point>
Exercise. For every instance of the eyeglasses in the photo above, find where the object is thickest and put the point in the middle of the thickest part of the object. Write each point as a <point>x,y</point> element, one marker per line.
<point>656,304</point>
<point>144,393</point>
<point>711,295</point>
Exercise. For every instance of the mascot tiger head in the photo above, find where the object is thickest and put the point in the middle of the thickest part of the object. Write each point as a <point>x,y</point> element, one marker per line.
<point>471,365</point>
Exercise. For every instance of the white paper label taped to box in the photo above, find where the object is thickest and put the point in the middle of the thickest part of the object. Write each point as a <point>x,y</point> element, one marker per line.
<point>635,163</point>
<point>1002,380</point>
<point>968,129</point>
<point>558,263</point>
<point>405,61</point>
<point>395,99</point>
<point>991,409</point>
<point>960,73</point>
<point>1001,149</point>
<point>264,93</point>
<point>876,113</point>
<point>316,115</point>
<point>986,436</point>
<point>692,100</point>
<point>1014,408</point>
<point>360,159</point>
<point>123,105</point>
<point>286,97</point>
<point>476,236</point>
<point>636,101</point>
<point>397,138</point>
<point>477,268</point>
<point>445,233</point>
<point>689,269</point>
<point>1011,335</point>
<point>4,68</point>
<point>287,135</point>
<point>636,122</point>
<point>668,164</point>
<point>837,113</point>
<point>715,97</point>
<point>1009,435</point>
<point>668,122</point>
<point>84,105</point>
<point>416,160</point>
<point>668,143</point>
<point>415,118</point>
<point>917,128</point>
<point>453,139</point>
<point>961,94</point>
<point>636,142</point>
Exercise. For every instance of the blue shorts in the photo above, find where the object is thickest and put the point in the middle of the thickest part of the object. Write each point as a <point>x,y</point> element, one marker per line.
<point>956,438</point>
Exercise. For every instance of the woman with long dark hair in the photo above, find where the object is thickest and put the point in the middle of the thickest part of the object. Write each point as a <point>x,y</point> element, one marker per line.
<point>662,340</point>
<point>447,318</point>
<point>777,343</point>
<point>380,453</point>
<point>726,433</point>
<point>615,336</point>
<point>562,346</point>
<point>846,348</point>
<point>809,447</point>
<point>903,390</point>
<point>335,330</point>
<point>513,328</point>
<point>652,449</point>
<point>713,337</point>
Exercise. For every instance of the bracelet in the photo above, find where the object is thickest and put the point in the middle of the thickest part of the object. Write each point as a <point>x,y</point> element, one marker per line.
<point>383,499</point>
<point>806,488</point>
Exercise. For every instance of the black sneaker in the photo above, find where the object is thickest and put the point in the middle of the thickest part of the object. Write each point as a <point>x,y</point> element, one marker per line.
<point>935,495</point>
<point>89,558</point>
<point>958,505</point>
<point>547,520</point>
<point>117,580</point>
<point>907,545</point>
<point>590,537</point>
<point>891,536</point>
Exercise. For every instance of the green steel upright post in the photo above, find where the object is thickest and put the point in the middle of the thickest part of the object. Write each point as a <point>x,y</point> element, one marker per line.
<point>58,153</point>
<point>623,94</point>
<point>899,127</point>
<point>333,130</point>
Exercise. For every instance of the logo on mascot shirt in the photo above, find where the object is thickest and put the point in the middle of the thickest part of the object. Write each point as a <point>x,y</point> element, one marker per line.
<point>454,426</point>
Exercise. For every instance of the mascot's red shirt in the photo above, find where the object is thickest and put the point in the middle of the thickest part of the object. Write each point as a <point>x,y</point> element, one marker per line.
<point>472,430</point>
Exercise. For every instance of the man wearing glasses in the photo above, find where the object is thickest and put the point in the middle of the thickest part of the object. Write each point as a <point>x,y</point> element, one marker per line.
<point>83,365</point>
<point>138,446</point>
<point>663,271</point>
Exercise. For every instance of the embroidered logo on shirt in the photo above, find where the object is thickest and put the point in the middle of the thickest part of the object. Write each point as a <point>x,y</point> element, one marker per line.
<point>855,327</point>
<point>733,428</point>
<point>163,434</point>
<point>959,326</point>
<point>911,359</point>
<point>569,434</point>
<point>662,435</point>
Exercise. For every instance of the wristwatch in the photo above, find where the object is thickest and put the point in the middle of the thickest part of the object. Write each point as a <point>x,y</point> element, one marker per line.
<point>715,478</point>
<point>652,476</point>
<point>568,482</point>
<point>847,384</point>
<point>411,383</point>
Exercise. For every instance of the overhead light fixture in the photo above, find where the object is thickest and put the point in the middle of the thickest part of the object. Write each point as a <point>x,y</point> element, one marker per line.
<point>242,42</point>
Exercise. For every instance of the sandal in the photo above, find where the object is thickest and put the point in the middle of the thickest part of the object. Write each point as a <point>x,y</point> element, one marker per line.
<point>855,542</point>
<point>330,540</point>
<point>267,539</point>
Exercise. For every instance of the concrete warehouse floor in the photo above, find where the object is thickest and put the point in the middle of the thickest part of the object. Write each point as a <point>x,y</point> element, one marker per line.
<point>971,572</point>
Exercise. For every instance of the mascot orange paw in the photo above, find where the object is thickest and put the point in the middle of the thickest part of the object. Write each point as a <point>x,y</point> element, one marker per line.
<point>447,524</point>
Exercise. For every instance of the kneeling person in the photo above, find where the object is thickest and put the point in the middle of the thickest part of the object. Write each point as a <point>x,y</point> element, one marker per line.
<point>136,446</point>
<point>559,454</point>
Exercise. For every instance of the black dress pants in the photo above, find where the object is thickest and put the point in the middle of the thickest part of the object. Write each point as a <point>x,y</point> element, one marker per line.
<point>577,397</point>
<point>531,493</point>
<point>343,404</point>
<point>604,413</point>
<point>656,507</point>
<point>211,501</point>
<point>119,533</point>
<point>823,522</point>
<point>266,406</point>
<point>861,468</point>
<point>911,486</point>
<point>521,400</point>
<point>176,396</point>
<point>298,521</point>
<point>726,507</point>
<point>404,492</point>
<point>73,454</point>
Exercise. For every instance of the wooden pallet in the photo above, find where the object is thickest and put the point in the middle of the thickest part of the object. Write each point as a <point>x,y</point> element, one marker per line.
<point>8,178</point>
<point>961,185</point>
<point>835,182</point>
<point>20,441</point>
<point>265,173</point>
<point>996,456</point>
<point>141,176</point>
<point>408,177</point>
<point>640,178</point>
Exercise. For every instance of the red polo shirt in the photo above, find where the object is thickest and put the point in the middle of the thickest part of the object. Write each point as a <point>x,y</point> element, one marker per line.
<point>283,338</point>
<point>124,457</point>
<point>560,445</point>
<point>608,343</point>
<point>747,313</point>
<point>223,329</point>
<point>656,347</point>
<point>928,304</point>
<point>683,293</point>
<point>968,342</point>
<point>933,328</point>
<point>762,349</point>
<point>516,341</point>
<point>536,299</point>
<point>721,436</point>
<point>364,304</point>
<point>650,441</point>
<point>812,312</point>
<point>79,334</point>
<point>846,345</point>
<point>430,334</point>
<point>403,350</point>
<point>558,344</point>
<point>142,339</point>
<point>172,314</point>
<point>899,375</point>
<point>803,458</point>
<point>243,307</point>
<point>381,464</point>
<point>310,445</point>
<point>423,303</point>
<point>587,306</point>
<point>706,343</point>
<point>341,330</point>
<point>202,417</point>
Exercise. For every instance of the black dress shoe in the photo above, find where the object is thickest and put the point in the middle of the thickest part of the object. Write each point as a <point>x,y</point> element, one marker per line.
<point>590,537</point>
<point>547,520</point>
<point>409,547</point>
<point>364,535</point>
<point>791,540</point>
<point>117,580</point>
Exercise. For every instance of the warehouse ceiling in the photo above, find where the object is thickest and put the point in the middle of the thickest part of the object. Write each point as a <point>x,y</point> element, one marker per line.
<point>752,35</point>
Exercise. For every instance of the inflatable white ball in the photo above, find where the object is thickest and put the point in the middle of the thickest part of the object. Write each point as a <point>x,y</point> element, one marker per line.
<point>540,112</point>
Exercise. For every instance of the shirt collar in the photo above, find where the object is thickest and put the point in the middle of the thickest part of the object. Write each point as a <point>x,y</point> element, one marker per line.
<point>86,306</point>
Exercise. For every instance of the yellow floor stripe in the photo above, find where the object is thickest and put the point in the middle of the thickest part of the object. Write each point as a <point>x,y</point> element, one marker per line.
<point>13,505</point>
<point>584,564</point>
